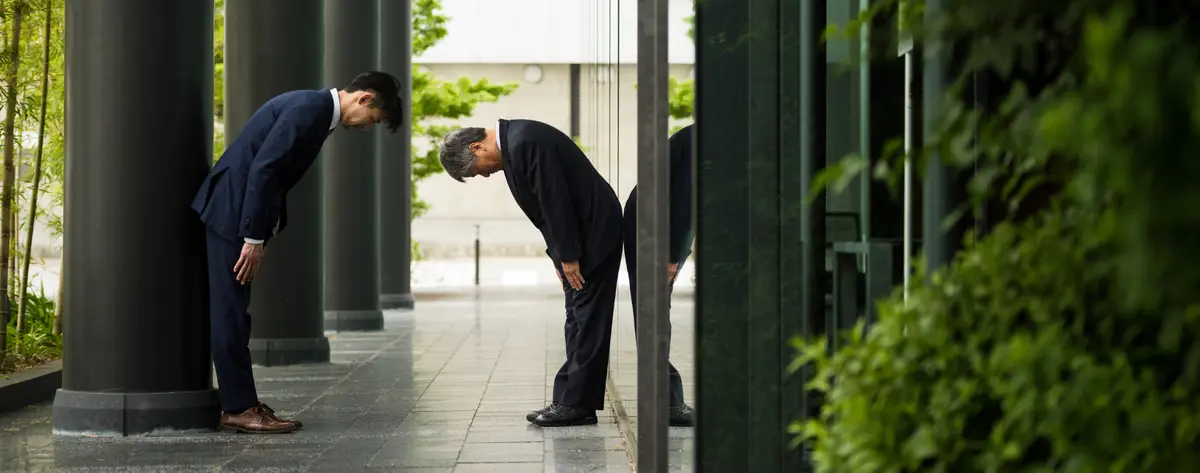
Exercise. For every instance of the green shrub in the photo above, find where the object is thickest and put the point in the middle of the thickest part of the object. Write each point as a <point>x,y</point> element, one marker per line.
<point>1015,359</point>
<point>38,344</point>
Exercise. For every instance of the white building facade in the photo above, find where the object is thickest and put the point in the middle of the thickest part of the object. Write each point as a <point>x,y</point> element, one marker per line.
<point>537,44</point>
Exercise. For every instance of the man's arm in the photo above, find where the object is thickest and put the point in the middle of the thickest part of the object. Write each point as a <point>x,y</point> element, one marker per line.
<point>554,198</point>
<point>681,194</point>
<point>262,198</point>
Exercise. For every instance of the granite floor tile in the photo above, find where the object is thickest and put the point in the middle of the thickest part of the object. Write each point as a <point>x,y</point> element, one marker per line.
<point>499,468</point>
<point>422,459</point>
<point>586,461</point>
<point>511,452</point>
<point>503,433</point>
<point>585,444</point>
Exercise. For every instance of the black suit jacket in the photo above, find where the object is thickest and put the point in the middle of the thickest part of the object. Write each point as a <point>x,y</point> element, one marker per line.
<point>681,194</point>
<point>245,195</point>
<point>560,191</point>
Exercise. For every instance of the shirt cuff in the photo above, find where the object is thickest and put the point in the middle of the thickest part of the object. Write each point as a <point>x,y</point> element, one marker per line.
<point>253,241</point>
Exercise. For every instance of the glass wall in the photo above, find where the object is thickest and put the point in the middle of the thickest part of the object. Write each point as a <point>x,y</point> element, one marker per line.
<point>609,102</point>
<point>609,105</point>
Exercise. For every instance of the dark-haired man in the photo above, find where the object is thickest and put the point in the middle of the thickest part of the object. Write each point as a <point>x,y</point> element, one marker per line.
<point>243,204</point>
<point>580,218</point>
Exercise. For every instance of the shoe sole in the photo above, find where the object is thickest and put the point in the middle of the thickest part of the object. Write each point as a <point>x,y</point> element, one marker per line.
<point>572,423</point>
<point>243,430</point>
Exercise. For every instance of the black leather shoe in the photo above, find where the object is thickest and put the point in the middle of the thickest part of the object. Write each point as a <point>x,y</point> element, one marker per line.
<point>681,416</point>
<point>533,414</point>
<point>564,416</point>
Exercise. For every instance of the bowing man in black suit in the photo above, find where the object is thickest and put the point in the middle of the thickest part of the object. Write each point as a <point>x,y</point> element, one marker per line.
<point>243,204</point>
<point>580,218</point>
<point>680,246</point>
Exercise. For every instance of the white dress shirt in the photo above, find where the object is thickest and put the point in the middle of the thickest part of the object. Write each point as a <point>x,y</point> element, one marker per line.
<point>337,117</point>
<point>337,110</point>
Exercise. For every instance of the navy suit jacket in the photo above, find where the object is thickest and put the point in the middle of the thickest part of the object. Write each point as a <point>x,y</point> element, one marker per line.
<point>245,194</point>
<point>560,191</point>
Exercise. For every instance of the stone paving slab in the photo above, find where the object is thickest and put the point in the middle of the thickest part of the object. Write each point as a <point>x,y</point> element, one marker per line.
<point>443,390</point>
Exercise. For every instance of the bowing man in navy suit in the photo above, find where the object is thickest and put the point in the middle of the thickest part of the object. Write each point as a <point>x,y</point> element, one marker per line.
<point>579,216</point>
<point>243,204</point>
<point>680,244</point>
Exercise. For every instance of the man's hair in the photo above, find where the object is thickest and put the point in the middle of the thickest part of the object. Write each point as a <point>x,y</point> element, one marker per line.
<point>387,95</point>
<point>456,155</point>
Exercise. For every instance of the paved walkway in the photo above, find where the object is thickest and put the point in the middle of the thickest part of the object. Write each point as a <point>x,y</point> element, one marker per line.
<point>623,376</point>
<point>444,389</point>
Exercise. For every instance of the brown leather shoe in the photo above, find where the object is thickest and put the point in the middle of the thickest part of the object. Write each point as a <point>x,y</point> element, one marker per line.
<point>299,425</point>
<point>256,420</point>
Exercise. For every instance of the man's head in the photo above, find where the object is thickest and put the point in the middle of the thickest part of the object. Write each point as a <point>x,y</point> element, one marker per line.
<point>372,98</point>
<point>470,152</point>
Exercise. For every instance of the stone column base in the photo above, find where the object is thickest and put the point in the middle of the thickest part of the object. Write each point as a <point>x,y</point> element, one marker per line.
<point>289,351</point>
<point>353,320</point>
<point>122,414</point>
<point>396,301</point>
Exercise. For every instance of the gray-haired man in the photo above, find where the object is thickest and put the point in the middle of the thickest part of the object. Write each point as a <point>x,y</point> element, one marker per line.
<point>580,218</point>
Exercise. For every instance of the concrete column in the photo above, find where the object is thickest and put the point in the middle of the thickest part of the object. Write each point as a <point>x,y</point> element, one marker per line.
<point>271,47</point>
<point>351,173</point>
<point>395,162</point>
<point>139,112</point>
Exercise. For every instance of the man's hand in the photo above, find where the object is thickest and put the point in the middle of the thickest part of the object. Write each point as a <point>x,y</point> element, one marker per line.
<point>247,264</point>
<point>571,272</point>
<point>672,271</point>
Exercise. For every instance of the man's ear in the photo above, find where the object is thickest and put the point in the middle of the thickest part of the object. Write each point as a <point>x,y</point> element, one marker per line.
<point>476,147</point>
<point>366,98</point>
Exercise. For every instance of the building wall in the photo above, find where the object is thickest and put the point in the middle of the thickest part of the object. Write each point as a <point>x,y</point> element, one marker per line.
<point>552,31</point>
<point>608,132</point>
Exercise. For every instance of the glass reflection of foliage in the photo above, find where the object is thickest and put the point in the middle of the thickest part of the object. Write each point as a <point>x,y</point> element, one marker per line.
<point>681,94</point>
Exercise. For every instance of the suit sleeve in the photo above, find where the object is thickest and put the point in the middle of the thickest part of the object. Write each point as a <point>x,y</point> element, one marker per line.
<point>264,195</point>
<point>681,195</point>
<point>549,184</point>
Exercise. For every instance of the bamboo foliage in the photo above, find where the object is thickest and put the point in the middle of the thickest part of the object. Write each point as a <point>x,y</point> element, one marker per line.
<point>32,195</point>
<point>37,173</point>
<point>6,196</point>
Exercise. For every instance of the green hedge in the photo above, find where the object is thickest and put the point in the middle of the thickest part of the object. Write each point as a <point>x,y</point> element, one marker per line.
<point>1017,359</point>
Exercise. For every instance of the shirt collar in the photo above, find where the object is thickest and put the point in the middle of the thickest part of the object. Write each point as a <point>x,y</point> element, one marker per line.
<point>498,145</point>
<point>337,110</point>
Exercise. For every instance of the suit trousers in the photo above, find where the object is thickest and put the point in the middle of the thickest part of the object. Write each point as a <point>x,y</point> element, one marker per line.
<point>581,381</point>
<point>675,387</point>
<point>229,322</point>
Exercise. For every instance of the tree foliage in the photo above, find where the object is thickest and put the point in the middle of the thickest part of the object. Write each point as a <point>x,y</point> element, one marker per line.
<point>436,100</point>
<point>1066,339</point>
